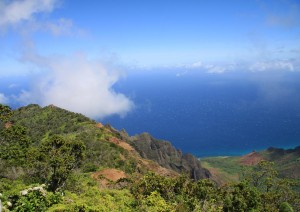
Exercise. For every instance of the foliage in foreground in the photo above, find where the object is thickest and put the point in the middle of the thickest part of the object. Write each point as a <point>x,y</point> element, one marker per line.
<point>49,176</point>
<point>204,195</point>
<point>150,193</point>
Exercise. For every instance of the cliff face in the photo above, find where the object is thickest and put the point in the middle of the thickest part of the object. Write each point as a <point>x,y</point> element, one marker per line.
<point>168,156</point>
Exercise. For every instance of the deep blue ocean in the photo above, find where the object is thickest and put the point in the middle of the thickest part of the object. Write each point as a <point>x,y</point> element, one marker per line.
<point>214,114</point>
<point>208,114</point>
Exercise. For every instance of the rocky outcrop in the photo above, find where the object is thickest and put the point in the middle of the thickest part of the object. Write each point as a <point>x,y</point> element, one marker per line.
<point>168,156</point>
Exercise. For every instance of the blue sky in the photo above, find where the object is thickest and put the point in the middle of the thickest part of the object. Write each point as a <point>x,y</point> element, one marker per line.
<point>45,37</point>
<point>166,33</point>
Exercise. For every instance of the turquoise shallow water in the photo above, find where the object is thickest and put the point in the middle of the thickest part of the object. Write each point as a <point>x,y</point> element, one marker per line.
<point>211,115</point>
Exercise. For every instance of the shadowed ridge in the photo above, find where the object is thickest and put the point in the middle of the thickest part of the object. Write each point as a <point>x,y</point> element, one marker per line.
<point>168,156</point>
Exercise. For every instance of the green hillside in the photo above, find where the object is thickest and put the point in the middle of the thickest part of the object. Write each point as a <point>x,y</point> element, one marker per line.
<point>52,159</point>
<point>229,169</point>
<point>287,161</point>
<point>42,123</point>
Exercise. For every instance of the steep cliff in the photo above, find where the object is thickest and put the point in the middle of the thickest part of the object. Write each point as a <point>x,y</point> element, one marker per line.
<point>168,156</point>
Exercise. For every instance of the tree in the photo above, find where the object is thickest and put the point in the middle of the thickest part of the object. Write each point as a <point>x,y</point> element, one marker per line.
<point>285,207</point>
<point>14,142</point>
<point>5,113</point>
<point>274,190</point>
<point>60,156</point>
<point>14,145</point>
<point>262,176</point>
<point>241,197</point>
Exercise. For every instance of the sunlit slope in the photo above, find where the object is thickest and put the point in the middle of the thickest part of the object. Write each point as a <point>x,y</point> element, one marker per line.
<point>229,169</point>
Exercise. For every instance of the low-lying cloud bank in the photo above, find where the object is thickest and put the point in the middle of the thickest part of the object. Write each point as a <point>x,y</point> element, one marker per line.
<point>77,84</point>
<point>290,65</point>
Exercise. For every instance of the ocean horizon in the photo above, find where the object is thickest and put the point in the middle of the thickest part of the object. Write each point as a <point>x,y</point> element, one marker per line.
<point>207,114</point>
<point>214,114</point>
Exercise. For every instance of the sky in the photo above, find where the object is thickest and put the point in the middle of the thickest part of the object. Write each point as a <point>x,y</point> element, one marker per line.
<point>73,52</point>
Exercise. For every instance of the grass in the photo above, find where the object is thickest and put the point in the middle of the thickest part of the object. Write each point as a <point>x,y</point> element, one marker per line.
<point>226,169</point>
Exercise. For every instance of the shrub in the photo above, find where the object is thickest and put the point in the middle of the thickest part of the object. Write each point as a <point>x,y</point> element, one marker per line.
<point>33,199</point>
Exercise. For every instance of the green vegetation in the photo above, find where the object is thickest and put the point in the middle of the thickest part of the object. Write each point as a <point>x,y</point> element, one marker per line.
<point>261,190</point>
<point>58,157</point>
<point>55,160</point>
<point>227,169</point>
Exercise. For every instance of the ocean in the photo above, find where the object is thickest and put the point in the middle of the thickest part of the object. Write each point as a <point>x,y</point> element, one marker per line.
<point>214,114</point>
<point>206,114</point>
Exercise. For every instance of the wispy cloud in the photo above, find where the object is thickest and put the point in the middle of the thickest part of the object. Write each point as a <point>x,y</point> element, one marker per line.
<point>195,65</point>
<point>22,15</point>
<point>3,99</point>
<point>62,26</point>
<point>290,19</point>
<point>57,28</point>
<point>14,12</point>
<point>275,65</point>
<point>206,67</point>
<point>252,66</point>
<point>218,69</point>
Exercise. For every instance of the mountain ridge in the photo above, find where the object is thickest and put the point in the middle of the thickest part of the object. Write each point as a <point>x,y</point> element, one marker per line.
<point>54,120</point>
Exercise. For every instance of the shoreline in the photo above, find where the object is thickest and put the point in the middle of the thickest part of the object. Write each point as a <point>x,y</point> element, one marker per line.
<point>242,153</point>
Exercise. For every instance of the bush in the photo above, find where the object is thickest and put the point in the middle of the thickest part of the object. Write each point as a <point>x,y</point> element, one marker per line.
<point>285,207</point>
<point>155,203</point>
<point>33,199</point>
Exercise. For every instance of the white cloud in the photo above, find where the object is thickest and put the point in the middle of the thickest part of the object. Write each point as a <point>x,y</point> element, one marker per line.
<point>208,68</point>
<point>60,27</point>
<point>197,64</point>
<point>3,99</point>
<point>277,65</point>
<point>22,13</point>
<point>215,69</point>
<point>263,65</point>
<point>77,84</point>
<point>74,83</point>
<point>13,12</point>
